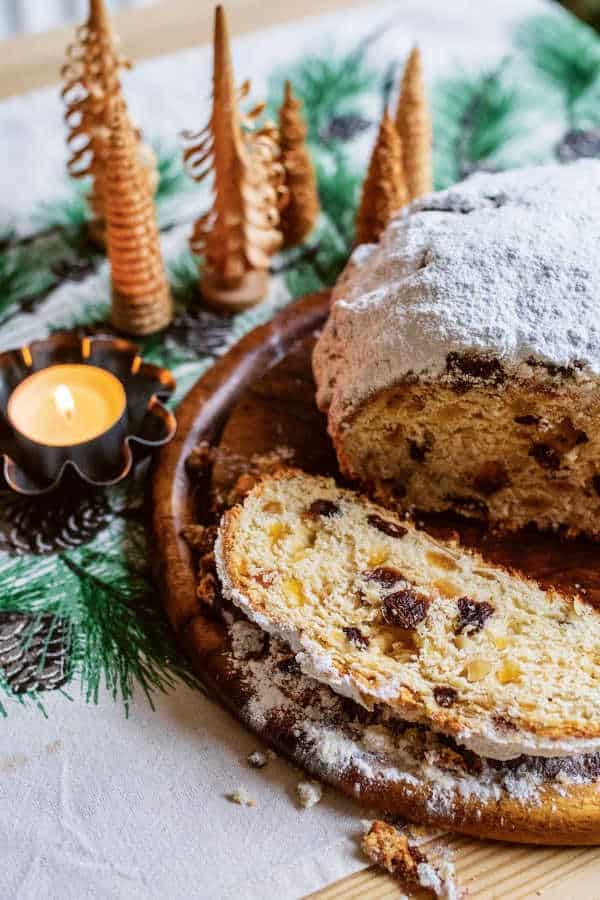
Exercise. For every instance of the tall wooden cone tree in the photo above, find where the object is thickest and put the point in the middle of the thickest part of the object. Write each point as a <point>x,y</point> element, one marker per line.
<point>141,300</point>
<point>384,190</point>
<point>301,210</point>
<point>91,84</point>
<point>239,234</point>
<point>413,122</point>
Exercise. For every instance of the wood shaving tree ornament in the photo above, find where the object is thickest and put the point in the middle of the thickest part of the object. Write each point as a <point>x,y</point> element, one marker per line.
<point>413,122</point>
<point>240,233</point>
<point>141,300</point>
<point>91,82</point>
<point>384,190</point>
<point>301,211</point>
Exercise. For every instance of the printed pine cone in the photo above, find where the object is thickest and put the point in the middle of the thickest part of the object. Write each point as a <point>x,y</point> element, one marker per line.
<point>384,190</point>
<point>413,123</point>
<point>301,211</point>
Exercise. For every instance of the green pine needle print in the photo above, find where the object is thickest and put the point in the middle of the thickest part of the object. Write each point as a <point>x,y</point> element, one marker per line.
<point>118,635</point>
<point>565,52</point>
<point>172,179</point>
<point>68,213</point>
<point>328,86</point>
<point>475,116</point>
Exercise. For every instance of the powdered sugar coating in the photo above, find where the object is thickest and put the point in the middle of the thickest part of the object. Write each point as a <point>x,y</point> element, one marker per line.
<point>499,263</point>
<point>331,742</point>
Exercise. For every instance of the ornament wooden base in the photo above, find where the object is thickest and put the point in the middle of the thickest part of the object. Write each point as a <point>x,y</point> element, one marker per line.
<point>234,297</point>
<point>143,315</point>
<point>259,397</point>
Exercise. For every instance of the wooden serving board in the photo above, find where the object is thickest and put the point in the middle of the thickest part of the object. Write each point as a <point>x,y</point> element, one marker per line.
<point>260,397</point>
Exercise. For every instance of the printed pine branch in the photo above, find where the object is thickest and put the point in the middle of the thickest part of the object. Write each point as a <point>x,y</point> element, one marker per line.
<point>301,210</point>
<point>239,234</point>
<point>413,122</point>
<point>118,637</point>
<point>385,190</point>
<point>327,86</point>
<point>565,52</point>
<point>476,118</point>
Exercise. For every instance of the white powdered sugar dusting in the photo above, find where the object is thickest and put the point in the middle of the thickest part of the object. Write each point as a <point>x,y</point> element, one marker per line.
<point>502,264</point>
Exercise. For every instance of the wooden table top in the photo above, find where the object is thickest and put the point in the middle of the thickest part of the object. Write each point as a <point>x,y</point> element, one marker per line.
<point>28,62</point>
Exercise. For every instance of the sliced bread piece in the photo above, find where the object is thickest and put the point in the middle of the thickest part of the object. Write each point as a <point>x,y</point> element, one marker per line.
<point>385,614</point>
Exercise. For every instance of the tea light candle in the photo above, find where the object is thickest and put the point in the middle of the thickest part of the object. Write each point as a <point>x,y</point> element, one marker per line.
<point>66,405</point>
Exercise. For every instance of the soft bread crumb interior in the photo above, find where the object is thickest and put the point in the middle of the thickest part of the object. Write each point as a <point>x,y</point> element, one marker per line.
<point>533,662</point>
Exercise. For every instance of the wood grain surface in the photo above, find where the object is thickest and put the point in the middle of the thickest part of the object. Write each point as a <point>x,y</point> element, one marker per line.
<point>247,412</point>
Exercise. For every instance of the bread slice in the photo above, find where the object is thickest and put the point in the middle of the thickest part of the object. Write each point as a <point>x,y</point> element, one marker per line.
<point>385,614</point>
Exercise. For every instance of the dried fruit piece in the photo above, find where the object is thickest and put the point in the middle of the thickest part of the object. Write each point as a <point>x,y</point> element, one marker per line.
<point>491,478</point>
<point>387,527</point>
<point>277,531</point>
<point>528,419</point>
<point>478,669</point>
<point>292,588</point>
<point>445,696</point>
<point>405,609</point>
<point>441,560</point>
<point>356,637</point>
<point>446,588</point>
<point>385,575</point>
<point>474,366</point>
<point>596,484</point>
<point>378,556</point>
<point>472,615</point>
<point>545,455</point>
<point>325,508</point>
<point>508,672</point>
<point>418,450</point>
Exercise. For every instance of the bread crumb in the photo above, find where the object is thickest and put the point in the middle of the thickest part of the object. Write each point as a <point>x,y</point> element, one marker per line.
<point>309,793</point>
<point>386,847</point>
<point>241,797</point>
<point>259,758</point>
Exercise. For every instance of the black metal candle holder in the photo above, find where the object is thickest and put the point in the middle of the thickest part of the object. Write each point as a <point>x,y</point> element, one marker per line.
<point>31,468</point>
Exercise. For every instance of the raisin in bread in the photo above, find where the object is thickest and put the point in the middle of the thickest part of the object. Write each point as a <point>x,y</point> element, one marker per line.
<point>385,614</point>
<point>460,365</point>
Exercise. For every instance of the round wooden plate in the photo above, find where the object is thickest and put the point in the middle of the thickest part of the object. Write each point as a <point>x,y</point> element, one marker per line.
<point>259,397</point>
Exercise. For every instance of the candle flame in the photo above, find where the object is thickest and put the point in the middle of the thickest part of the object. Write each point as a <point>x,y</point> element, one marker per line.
<point>64,400</point>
